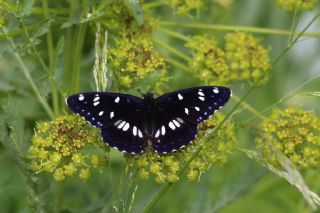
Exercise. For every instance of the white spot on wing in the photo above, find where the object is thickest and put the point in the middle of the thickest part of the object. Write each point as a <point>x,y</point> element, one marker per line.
<point>171,125</point>
<point>197,108</point>
<point>180,120</point>
<point>81,97</point>
<point>111,114</point>
<point>186,111</point>
<point>180,96</point>
<point>176,123</point>
<point>117,122</point>
<point>200,93</point>
<point>96,103</point>
<point>134,130</point>
<point>121,124</point>
<point>216,90</point>
<point>163,130</point>
<point>101,113</point>
<point>201,98</point>
<point>96,98</point>
<point>126,127</point>
<point>140,134</point>
<point>157,133</point>
<point>117,99</point>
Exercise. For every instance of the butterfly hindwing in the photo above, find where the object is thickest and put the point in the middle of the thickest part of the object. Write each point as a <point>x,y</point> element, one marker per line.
<point>179,112</point>
<point>172,134</point>
<point>119,116</point>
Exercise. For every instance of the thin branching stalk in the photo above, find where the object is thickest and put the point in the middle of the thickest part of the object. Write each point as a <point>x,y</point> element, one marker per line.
<point>26,73</point>
<point>235,28</point>
<point>171,49</point>
<point>80,33</point>
<point>54,90</point>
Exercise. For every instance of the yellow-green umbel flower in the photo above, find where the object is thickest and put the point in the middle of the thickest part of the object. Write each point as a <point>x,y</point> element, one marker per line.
<point>243,59</point>
<point>134,58</point>
<point>247,58</point>
<point>291,5</point>
<point>121,19</point>
<point>167,167</point>
<point>58,147</point>
<point>184,7</point>
<point>208,61</point>
<point>294,132</point>
<point>223,3</point>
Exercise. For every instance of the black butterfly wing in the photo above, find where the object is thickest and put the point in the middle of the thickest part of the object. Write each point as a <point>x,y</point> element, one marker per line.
<point>119,116</point>
<point>177,115</point>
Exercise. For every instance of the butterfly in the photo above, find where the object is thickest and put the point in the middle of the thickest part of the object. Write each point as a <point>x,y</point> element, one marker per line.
<point>169,121</point>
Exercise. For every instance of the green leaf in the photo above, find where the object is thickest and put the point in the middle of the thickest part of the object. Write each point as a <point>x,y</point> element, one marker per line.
<point>12,135</point>
<point>72,21</point>
<point>15,125</point>
<point>134,6</point>
<point>6,87</point>
<point>58,52</point>
<point>147,83</point>
<point>43,28</point>
<point>26,8</point>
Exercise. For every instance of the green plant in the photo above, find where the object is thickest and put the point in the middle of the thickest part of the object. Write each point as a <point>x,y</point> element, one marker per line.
<point>51,50</point>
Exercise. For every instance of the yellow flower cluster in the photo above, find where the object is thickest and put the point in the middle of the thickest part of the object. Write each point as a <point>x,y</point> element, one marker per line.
<point>243,59</point>
<point>166,168</point>
<point>134,58</point>
<point>209,61</point>
<point>291,5</point>
<point>223,3</point>
<point>58,148</point>
<point>246,57</point>
<point>296,133</point>
<point>184,7</point>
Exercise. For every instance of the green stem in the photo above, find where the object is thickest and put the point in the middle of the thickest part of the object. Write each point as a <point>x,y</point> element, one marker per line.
<point>77,57</point>
<point>54,90</point>
<point>249,108</point>
<point>246,105</point>
<point>36,10</point>
<point>163,189</point>
<point>293,92</point>
<point>68,59</point>
<point>177,64</point>
<point>154,4</point>
<point>173,34</point>
<point>235,28</point>
<point>26,73</point>
<point>171,49</point>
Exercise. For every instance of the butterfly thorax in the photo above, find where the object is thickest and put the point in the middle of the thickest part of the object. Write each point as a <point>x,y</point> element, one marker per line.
<point>149,113</point>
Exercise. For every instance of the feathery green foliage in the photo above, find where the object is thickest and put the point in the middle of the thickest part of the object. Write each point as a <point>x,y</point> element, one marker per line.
<point>53,161</point>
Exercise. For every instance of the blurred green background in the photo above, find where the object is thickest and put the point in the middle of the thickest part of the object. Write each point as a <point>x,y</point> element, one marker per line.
<point>240,185</point>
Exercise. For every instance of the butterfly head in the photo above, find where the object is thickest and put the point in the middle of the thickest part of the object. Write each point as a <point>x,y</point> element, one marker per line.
<point>148,96</point>
<point>149,101</point>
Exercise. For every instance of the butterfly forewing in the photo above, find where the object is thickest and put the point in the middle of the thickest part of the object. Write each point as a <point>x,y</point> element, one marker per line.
<point>119,116</point>
<point>179,112</point>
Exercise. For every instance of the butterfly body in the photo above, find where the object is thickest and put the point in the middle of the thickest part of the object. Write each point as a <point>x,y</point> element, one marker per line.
<point>169,122</point>
<point>149,110</point>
